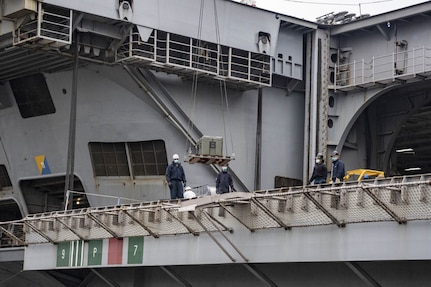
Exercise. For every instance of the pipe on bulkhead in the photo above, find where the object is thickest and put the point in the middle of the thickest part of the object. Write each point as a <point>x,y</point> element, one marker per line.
<point>70,165</point>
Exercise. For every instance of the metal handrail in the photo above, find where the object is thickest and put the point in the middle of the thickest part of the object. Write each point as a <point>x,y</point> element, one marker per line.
<point>384,68</point>
<point>48,25</point>
<point>399,199</point>
<point>208,58</point>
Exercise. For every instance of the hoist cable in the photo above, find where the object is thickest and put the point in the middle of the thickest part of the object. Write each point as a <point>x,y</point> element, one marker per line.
<point>223,88</point>
<point>193,58</point>
<point>228,119</point>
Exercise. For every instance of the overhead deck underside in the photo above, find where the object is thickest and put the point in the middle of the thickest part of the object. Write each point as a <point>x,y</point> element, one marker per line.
<point>355,274</point>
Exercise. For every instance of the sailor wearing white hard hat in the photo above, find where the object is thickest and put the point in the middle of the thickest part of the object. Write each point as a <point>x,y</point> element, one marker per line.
<point>175,177</point>
<point>189,193</point>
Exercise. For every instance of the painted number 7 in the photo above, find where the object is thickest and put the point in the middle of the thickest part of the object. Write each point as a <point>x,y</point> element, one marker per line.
<point>136,249</point>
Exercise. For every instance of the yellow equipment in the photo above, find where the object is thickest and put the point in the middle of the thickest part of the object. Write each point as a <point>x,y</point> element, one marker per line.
<point>360,174</point>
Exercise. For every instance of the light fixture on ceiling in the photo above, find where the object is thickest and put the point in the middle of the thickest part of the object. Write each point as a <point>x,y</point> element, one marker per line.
<point>405,150</point>
<point>412,169</point>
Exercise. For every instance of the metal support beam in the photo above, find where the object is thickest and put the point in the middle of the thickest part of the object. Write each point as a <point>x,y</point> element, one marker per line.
<point>70,167</point>
<point>174,275</point>
<point>383,205</point>
<point>55,275</point>
<point>218,221</point>
<point>86,25</point>
<point>386,33</point>
<point>39,232</point>
<point>362,274</point>
<point>324,210</point>
<point>180,221</point>
<point>87,280</point>
<point>11,235</point>
<point>165,96</point>
<point>270,214</point>
<point>139,222</point>
<point>71,229</point>
<point>236,217</point>
<point>258,151</point>
<point>102,276</point>
<point>162,107</point>
<point>104,226</point>
<point>12,276</point>
<point>260,275</point>
<point>78,16</point>
<point>209,217</point>
<point>214,239</point>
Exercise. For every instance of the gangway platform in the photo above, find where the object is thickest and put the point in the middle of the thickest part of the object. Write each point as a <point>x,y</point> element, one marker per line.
<point>381,71</point>
<point>398,199</point>
<point>208,159</point>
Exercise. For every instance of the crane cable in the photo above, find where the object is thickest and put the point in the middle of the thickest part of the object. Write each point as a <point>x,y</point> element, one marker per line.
<point>223,88</point>
<point>193,58</point>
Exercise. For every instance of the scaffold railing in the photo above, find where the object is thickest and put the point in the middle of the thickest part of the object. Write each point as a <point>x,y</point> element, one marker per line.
<point>185,55</point>
<point>398,66</point>
<point>396,199</point>
<point>51,27</point>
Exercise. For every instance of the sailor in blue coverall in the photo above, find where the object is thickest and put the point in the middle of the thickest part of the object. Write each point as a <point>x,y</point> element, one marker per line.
<point>176,178</point>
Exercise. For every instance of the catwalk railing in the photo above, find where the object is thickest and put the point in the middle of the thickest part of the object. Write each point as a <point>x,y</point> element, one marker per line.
<point>51,26</point>
<point>397,199</point>
<point>400,66</point>
<point>185,55</point>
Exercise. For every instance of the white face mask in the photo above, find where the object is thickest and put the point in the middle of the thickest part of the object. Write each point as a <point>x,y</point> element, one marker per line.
<point>176,160</point>
<point>318,161</point>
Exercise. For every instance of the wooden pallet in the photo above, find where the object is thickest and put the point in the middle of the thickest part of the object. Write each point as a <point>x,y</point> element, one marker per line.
<point>208,159</point>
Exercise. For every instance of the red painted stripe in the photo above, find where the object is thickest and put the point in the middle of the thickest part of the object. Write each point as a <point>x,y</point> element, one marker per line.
<point>115,251</point>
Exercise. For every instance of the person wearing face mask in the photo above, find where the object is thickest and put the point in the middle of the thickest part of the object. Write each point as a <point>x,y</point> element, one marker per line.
<point>338,169</point>
<point>320,171</point>
<point>176,178</point>
<point>224,182</point>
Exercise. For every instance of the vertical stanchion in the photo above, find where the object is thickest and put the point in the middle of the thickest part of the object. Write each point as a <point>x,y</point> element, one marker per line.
<point>72,128</point>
